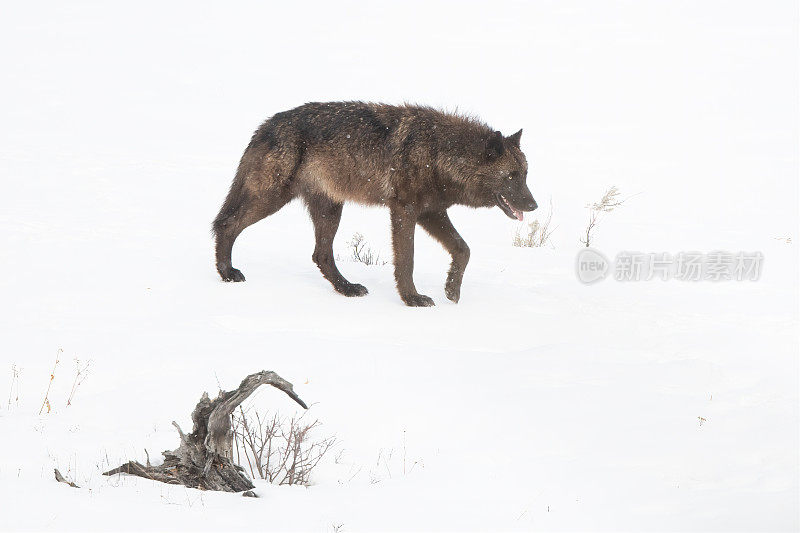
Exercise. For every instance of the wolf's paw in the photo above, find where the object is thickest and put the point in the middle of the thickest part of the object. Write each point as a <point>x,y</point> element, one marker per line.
<point>352,289</point>
<point>453,292</point>
<point>418,300</point>
<point>231,274</point>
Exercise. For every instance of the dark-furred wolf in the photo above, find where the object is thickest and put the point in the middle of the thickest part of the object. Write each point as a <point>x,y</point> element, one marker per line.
<point>415,160</point>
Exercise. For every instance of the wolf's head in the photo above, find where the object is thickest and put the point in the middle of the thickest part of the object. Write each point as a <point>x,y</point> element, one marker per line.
<point>495,175</point>
<point>503,176</point>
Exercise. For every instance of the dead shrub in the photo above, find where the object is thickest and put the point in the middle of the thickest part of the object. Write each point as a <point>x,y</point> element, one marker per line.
<point>280,450</point>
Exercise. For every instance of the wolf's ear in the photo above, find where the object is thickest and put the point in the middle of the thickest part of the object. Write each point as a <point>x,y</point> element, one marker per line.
<point>514,139</point>
<point>494,146</point>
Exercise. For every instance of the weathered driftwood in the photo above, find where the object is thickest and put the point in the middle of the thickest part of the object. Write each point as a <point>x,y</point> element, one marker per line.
<point>203,459</point>
<point>61,479</point>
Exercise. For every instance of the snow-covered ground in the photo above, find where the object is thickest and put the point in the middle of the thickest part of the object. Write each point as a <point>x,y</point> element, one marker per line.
<point>536,403</point>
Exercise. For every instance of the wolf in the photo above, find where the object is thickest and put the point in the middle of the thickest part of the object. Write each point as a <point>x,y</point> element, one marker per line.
<point>415,160</point>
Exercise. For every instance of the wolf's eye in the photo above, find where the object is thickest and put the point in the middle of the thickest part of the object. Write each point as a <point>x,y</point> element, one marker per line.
<point>511,177</point>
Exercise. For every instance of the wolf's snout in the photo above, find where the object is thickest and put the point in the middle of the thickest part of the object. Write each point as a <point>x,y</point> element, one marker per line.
<point>532,205</point>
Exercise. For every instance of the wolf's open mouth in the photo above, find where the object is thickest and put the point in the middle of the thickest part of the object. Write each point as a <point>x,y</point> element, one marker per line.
<point>507,208</point>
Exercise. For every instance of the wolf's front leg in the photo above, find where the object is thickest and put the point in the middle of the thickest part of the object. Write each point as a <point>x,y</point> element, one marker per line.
<point>404,221</point>
<point>438,225</point>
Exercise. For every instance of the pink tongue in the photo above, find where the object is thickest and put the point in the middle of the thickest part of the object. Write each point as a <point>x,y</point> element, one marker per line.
<point>518,214</point>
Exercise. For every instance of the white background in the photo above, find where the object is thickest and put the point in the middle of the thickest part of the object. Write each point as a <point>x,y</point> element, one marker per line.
<point>536,402</point>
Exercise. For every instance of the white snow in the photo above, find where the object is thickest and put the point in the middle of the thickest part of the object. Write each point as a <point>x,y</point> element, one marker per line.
<point>536,403</point>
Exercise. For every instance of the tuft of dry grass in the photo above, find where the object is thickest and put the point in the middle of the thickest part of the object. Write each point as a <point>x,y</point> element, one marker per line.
<point>81,372</point>
<point>537,234</point>
<point>13,392</point>
<point>607,204</point>
<point>46,401</point>
<point>361,252</point>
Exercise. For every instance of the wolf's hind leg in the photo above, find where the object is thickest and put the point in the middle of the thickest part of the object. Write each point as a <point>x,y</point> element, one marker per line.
<point>325,214</point>
<point>438,225</point>
<point>240,210</point>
